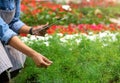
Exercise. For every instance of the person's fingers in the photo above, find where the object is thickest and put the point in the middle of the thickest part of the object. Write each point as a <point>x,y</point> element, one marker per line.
<point>42,63</point>
<point>46,26</point>
<point>45,64</point>
<point>40,30</point>
<point>47,60</point>
<point>43,26</point>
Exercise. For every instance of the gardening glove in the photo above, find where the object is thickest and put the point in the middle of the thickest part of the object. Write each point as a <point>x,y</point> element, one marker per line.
<point>40,30</point>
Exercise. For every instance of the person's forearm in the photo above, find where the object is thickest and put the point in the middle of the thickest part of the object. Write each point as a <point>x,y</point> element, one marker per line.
<point>40,60</point>
<point>19,45</point>
<point>24,29</point>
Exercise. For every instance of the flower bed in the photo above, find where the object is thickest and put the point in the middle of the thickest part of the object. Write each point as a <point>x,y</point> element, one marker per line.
<point>78,19</point>
<point>81,28</point>
<point>77,58</point>
<point>35,13</point>
<point>84,48</point>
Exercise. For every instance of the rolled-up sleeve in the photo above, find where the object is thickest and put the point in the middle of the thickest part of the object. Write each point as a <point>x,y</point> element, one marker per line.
<point>5,32</point>
<point>17,25</point>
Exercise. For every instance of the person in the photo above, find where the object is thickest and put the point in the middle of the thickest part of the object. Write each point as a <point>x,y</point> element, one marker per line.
<point>12,50</point>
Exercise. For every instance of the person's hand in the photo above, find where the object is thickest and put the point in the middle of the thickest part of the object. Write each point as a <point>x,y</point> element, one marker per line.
<point>41,61</point>
<point>40,30</point>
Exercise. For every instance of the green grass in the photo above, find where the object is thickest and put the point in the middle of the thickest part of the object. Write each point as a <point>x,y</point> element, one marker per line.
<point>86,62</point>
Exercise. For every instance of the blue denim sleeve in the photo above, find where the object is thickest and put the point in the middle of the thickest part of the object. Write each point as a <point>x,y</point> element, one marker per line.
<point>15,26</point>
<point>16,23</point>
<point>5,32</point>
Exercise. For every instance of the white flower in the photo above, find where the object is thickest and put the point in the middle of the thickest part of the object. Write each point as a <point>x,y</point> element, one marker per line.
<point>33,38</point>
<point>93,37</point>
<point>46,43</point>
<point>78,40</point>
<point>60,34</point>
<point>24,39</point>
<point>66,7</point>
<point>69,37</point>
<point>63,40</point>
<point>104,37</point>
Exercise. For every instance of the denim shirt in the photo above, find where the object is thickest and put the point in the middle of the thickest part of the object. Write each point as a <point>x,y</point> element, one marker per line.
<point>9,30</point>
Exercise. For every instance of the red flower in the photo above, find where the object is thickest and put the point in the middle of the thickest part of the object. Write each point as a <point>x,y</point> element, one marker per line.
<point>23,35</point>
<point>24,8</point>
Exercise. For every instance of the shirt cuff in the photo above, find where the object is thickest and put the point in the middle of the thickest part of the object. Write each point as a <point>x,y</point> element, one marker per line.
<point>17,25</point>
<point>7,36</point>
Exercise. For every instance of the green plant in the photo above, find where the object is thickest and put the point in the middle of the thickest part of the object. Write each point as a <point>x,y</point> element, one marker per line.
<point>84,62</point>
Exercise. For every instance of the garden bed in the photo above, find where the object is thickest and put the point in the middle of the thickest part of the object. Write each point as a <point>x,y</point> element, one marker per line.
<point>84,48</point>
